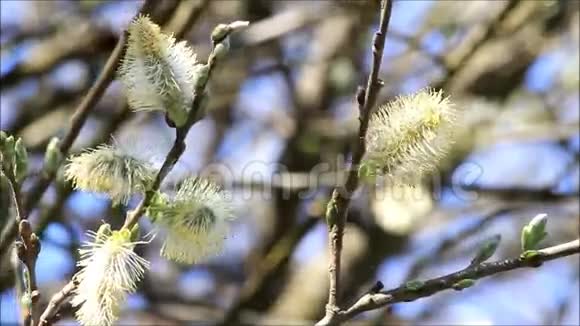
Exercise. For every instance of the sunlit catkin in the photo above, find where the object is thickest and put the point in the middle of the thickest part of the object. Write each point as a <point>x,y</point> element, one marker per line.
<point>408,136</point>
<point>109,270</point>
<point>158,73</point>
<point>111,170</point>
<point>194,221</point>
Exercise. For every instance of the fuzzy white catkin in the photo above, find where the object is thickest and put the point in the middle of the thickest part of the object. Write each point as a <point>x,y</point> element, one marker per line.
<point>195,221</point>
<point>159,74</point>
<point>408,137</point>
<point>111,170</point>
<point>110,269</point>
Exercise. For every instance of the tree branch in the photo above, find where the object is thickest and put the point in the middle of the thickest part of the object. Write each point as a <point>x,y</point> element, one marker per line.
<point>172,157</point>
<point>77,121</point>
<point>27,249</point>
<point>49,316</point>
<point>338,205</point>
<point>430,287</point>
<point>176,150</point>
<point>451,241</point>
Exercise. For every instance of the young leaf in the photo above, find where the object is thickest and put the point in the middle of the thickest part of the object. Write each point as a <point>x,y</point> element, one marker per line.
<point>463,284</point>
<point>486,250</point>
<point>534,232</point>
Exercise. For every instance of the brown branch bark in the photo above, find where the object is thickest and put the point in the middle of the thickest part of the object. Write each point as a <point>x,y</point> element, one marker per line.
<point>49,316</point>
<point>338,205</point>
<point>430,287</point>
<point>27,248</point>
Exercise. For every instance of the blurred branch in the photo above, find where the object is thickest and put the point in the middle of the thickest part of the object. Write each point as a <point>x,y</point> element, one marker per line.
<point>269,267</point>
<point>427,288</point>
<point>49,316</point>
<point>457,59</point>
<point>49,53</point>
<point>278,25</point>
<point>338,205</point>
<point>453,240</point>
<point>182,23</point>
<point>39,106</point>
<point>520,193</point>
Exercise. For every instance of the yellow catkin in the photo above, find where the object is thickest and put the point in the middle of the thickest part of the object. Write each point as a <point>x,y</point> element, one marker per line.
<point>194,222</point>
<point>408,136</point>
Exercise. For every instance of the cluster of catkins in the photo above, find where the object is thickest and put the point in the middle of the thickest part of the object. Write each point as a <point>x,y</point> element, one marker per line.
<point>159,74</point>
<point>407,136</point>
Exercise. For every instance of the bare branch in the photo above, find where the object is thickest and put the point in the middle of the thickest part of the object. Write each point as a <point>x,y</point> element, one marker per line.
<point>49,315</point>
<point>451,281</point>
<point>338,205</point>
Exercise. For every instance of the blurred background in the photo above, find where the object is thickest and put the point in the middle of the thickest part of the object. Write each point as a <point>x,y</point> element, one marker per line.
<point>282,117</point>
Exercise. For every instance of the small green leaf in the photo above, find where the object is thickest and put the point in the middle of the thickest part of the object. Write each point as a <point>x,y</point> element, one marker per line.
<point>219,32</point>
<point>52,156</point>
<point>463,284</point>
<point>26,300</point>
<point>414,285</point>
<point>534,232</point>
<point>486,250</point>
<point>530,254</point>
<point>8,155</point>
<point>20,160</point>
<point>368,171</point>
<point>3,137</point>
<point>135,233</point>
<point>103,232</point>
<point>331,210</point>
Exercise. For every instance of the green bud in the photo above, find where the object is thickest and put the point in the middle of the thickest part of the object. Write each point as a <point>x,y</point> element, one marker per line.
<point>103,232</point>
<point>21,160</point>
<point>177,114</point>
<point>3,137</point>
<point>463,284</point>
<point>158,200</point>
<point>220,50</point>
<point>534,232</point>
<point>202,76</point>
<point>8,153</point>
<point>530,254</point>
<point>414,285</point>
<point>368,171</point>
<point>135,233</point>
<point>52,156</point>
<point>486,250</point>
<point>220,32</point>
<point>331,211</point>
<point>26,300</point>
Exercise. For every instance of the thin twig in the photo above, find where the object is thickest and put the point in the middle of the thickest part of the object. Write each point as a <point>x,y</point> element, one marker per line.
<point>338,205</point>
<point>451,241</point>
<point>274,261</point>
<point>172,157</point>
<point>49,315</point>
<point>174,154</point>
<point>430,287</point>
<point>27,248</point>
